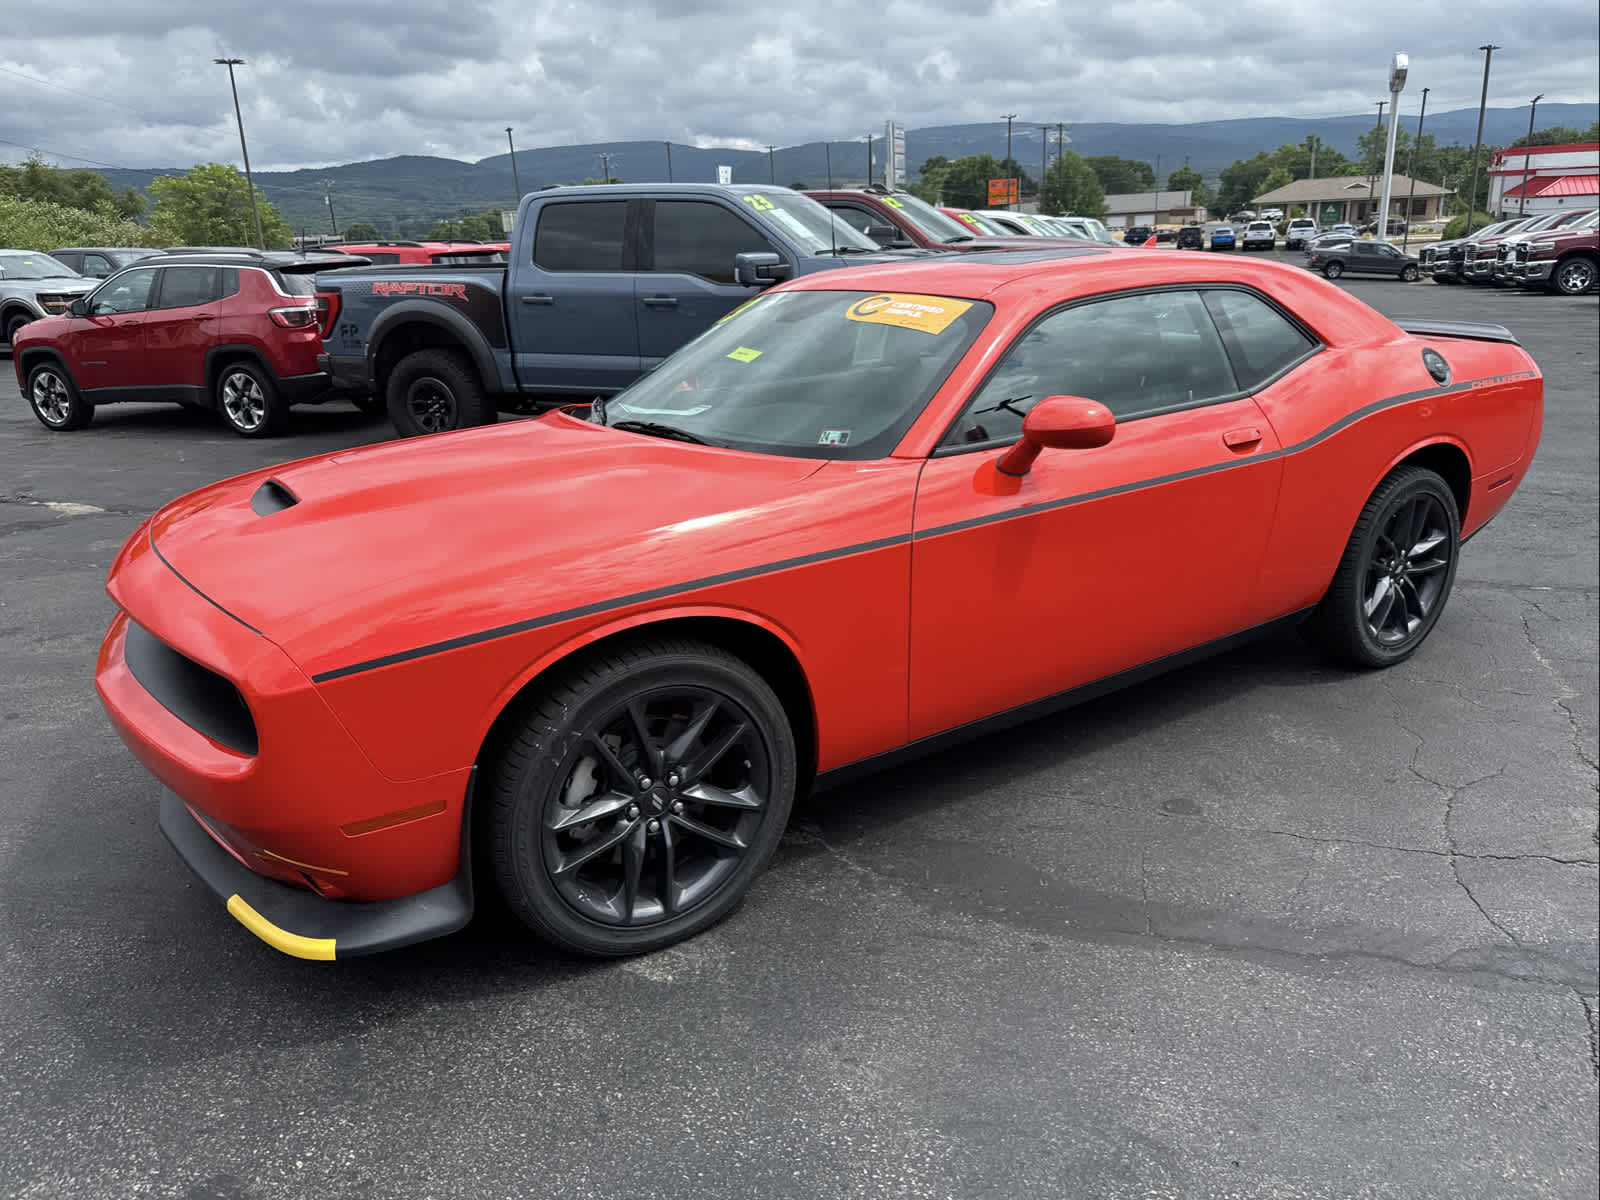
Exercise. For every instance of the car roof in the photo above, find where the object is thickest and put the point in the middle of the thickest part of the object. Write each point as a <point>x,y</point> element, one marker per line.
<point>269,259</point>
<point>105,250</point>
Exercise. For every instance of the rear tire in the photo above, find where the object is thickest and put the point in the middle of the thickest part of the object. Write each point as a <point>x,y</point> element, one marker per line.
<point>248,401</point>
<point>436,391</point>
<point>55,399</point>
<point>1396,573</point>
<point>646,790</point>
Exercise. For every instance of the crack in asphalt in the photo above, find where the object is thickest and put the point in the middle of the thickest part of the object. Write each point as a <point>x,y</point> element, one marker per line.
<point>1593,1019</point>
<point>1144,887</point>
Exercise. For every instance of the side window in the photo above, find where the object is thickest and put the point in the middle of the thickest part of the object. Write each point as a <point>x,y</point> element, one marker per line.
<point>70,259</point>
<point>379,259</point>
<point>187,287</point>
<point>230,282</point>
<point>97,265</point>
<point>128,292</point>
<point>1262,341</point>
<point>1138,355</point>
<point>695,237</point>
<point>858,219</point>
<point>585,235</point>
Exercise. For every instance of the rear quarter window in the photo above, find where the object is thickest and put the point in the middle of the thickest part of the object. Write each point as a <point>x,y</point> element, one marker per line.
<point>585,235</point>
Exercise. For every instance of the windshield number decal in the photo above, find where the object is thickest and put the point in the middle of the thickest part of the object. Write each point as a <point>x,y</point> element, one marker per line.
<point>834,437</point>
<point>759,203</point>
<point>892,202</point>
<point>744,354</point>
<point>927,314</point>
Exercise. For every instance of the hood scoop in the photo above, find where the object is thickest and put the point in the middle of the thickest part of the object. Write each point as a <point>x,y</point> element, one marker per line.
<point>272,497</point>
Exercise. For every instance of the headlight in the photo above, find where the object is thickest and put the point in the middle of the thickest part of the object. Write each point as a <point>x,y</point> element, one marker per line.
<point>1536,246</point>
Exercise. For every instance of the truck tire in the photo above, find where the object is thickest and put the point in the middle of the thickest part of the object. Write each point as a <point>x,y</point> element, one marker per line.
<point>435,391</point>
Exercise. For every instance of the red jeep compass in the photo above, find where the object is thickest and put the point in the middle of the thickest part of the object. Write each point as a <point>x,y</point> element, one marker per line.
<point>234,332</point>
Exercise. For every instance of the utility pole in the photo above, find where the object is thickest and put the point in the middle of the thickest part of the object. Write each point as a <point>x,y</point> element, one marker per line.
<point>1477,144</point>
<point>1416,148</point>
<point>869,160</point>
<point>1372,179</point>
<point>669,161</point>
<point>231,63</point>
<point>605,167</point>
<point>772,166</point>
<point>1044,161</point>
<point>516,184</point>
<point>1009,118</point>
<point>1527,155</point>
<point>327,195</point>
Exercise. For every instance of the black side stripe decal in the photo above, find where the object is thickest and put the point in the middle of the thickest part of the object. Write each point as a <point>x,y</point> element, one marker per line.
<point>586,610</point>
<point>674,589</point>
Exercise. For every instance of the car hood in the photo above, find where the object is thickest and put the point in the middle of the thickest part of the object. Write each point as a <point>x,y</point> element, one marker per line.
<point>333,556</point>
<point>52,283</point>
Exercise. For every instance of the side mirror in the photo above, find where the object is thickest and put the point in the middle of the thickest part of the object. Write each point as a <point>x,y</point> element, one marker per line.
<point>1061,423</point>
<point>884,235</point>
<point>759,268</point>
<point>79,307</point>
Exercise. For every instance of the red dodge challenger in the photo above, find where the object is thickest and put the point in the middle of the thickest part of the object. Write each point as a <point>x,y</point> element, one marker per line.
<point>588,660</point>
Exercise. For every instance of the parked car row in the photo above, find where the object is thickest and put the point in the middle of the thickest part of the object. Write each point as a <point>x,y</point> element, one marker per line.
<point>1558,251</point>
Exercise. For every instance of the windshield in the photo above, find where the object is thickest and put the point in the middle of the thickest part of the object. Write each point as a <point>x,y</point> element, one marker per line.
<point>929,220</point>
<point>816,228</point>
<point>33,266</point>
<point>806,374</point>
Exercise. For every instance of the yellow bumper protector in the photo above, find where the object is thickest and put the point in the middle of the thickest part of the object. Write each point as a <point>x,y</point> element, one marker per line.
<point>320,949</point>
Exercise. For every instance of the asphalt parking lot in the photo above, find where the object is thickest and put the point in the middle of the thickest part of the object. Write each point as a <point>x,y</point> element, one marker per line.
<point>1261,928</point>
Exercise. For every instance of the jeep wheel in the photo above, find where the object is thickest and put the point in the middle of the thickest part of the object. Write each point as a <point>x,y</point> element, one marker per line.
<point>435,391</point>
<point>248,401</point>
<point>55,399</point>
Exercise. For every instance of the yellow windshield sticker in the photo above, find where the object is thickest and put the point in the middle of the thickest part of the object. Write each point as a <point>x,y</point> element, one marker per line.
<point>734,312</point>
<point>892,202</point>
<point>930,314</point>
<point>745,354</point>
<point>759,203</point>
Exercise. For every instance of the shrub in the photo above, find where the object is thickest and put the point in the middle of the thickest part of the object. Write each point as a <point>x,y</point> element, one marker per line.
<point>1458,225</point>
<point>42,225</point>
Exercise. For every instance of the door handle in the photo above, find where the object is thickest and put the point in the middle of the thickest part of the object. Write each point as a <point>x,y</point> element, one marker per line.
<point>1241,439</point>
<point>539,299</point>
<point>661,302</point>
<point>204,317</point>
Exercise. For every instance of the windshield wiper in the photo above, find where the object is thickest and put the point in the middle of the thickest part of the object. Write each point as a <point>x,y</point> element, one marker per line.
<point>960,237</point>
<point>856,250</point>
<point>660,430</point>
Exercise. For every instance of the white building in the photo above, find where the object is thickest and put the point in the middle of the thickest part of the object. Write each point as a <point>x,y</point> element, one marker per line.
<point>1559,178</point>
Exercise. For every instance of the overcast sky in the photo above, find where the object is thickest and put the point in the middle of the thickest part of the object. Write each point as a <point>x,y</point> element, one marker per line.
<point>131,83</point>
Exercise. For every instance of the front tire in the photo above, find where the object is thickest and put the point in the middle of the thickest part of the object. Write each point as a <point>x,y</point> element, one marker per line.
<point>1574,277</point>
<point>55,399</point>
<point>14,324</point>
<point>1396,573</point>
<point>436,391</point>
<point>1333,270</point>
<point>646,790</point>
<point>1409,275</point>
<point>248,400</point>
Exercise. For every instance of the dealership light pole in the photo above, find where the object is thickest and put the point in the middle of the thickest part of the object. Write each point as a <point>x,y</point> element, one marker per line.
<point>772,165</point>
<point>668,145</point>
<point>1527,155</point>
<point>1398,65</point>
<point>516,184</point>
<point>1411,170</point>
<point>1009,118</point>
<point>1483,100</point>
<point>231,63</point>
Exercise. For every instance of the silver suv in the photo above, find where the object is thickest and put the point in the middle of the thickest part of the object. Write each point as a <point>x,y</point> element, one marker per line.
<point>1301,230</point>
<point>33,286</point>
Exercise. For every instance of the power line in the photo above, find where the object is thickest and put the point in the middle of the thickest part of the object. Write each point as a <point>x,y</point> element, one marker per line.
<point>86,95</point>
<point>59,154</point>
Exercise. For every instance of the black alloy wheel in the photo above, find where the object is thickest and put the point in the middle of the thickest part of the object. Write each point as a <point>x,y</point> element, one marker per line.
<point>436,391</point>
<point>1333,270</point>
<point>1396,573</point>
<point>55,399</point>
<point>1575,276</point>
<point>647,789</point>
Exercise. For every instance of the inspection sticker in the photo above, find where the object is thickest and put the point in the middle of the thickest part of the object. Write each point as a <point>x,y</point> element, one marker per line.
<point>745,354</point>
<point>834,437</point>
<point>930,314</point>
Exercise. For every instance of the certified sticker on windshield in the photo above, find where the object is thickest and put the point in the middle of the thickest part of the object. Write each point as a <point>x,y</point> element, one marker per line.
<point>930,314</point>
<point>745,354</point>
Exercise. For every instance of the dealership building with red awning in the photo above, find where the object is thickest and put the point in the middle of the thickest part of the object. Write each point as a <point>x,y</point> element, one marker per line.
<point>1544,179</point>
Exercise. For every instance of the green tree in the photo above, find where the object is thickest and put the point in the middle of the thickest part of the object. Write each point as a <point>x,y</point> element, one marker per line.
<point>361,231</point>
<point>1184,179</point>
<point>1559,135</point>
<point>929,185</point>
<point>1071,187</point>
<point>210,206</point>
<point>36,179</point>
<point>1276,178</point>
<point>1122,174</point>
<point>1240,182</point>
<point>966,182</point>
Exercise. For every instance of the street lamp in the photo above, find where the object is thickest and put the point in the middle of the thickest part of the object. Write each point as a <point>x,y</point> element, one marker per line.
<point>1009,118</point>
<point>249,180</point>
<point>1483,100</point>
<point>1527,155</point>
<point>1398,66</point>
<point>516,184</point>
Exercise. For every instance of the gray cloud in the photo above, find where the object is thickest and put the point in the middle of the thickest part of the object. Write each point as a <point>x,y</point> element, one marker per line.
<point>135,85</point>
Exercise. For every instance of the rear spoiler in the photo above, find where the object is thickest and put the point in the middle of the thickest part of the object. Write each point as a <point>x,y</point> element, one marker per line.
<point>1478,331</point>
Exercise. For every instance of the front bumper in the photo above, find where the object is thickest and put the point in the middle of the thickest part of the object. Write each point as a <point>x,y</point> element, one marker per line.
<point>1537,270</point>
<point>301,923</point>
<point>1478,268</point>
